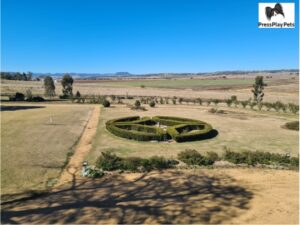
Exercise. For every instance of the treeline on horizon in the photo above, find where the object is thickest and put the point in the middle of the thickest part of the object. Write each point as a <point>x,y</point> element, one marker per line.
<point>29,75</point>
<point>17,76</point>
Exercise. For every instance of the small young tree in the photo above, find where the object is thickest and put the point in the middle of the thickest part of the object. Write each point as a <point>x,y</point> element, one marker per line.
<point>293,108</point>
<point>28,94</point>
<point>228,102</point>
<point>67,83</point>
<point>49,86</point>
<point>106,103</point>
<point>258,88</point>
<point>167,100</point>
<point>180,100</point>
<point>78,95</point>
<point>113,98</point>
<point>174,101</point>
<point>152,104</point>
<point>199,101</point>
<point>234,100</point>
<point>161,101</point>
<point>137,104</point>
<point>216,101</point>
<point>244,103</point>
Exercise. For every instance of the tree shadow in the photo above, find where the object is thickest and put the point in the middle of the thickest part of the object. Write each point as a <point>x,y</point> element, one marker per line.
<point>158,197</point>
<point>18,107</point>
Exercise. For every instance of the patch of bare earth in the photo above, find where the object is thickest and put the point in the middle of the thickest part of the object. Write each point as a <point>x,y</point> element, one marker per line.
<point>202,196</point>
<point>74,166</point>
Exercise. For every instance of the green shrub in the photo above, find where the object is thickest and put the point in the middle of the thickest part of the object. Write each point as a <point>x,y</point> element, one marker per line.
<point>293,108</point>
<point>234,157</point>
<point>159,163</point>
<point>216,101</point>
<point>192,157</point>
<point>258,157</point>
<point>137,103</point>
<point>244,103</point>
<point>228,102</point>
<point>19,96</point>
<point>268,105</point>
<point>108,161</point>
<point>37,99</point>
<point>133,164</point>
<point>294,161</point>
<point>106,103</point>
<point>212,156</point>
<point>212,110</point>
<point>294,125</point>
<point>77,95</point>
<point>95,173</point>
<point>152,104</point>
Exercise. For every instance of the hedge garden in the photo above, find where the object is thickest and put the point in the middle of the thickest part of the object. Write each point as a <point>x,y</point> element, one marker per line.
<point>160,128</point>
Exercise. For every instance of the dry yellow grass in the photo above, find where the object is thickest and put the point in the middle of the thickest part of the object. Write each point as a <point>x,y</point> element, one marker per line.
<point>33,150</point>
<point>280,87</point>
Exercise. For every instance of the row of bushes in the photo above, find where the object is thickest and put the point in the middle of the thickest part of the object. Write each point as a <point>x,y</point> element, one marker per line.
<point>109,161</point>
<point>21,97</point>
<point>258,157</point>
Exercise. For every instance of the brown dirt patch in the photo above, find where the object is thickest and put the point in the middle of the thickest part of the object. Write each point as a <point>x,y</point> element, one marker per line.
<point>202,196</point>
<point>84,146</point>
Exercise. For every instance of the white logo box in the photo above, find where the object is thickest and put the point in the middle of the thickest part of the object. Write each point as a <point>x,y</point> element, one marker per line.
<point>278,21</point>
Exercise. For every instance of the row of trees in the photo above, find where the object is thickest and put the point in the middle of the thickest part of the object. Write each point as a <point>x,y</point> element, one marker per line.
<point>257,101</point>
<point>16,76</point>
<point>66,82</point>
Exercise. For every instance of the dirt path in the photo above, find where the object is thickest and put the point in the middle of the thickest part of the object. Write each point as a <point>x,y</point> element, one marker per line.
<point>73,169</point>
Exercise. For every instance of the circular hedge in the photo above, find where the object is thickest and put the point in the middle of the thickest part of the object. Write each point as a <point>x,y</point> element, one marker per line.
<point>160,128</point>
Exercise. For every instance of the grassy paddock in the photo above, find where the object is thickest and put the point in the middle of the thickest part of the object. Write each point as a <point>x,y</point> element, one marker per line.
<point>238,130</point>
<point>33,151</point>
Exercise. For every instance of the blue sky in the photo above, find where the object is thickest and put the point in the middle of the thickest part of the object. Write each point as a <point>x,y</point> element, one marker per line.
<point>141,36</point>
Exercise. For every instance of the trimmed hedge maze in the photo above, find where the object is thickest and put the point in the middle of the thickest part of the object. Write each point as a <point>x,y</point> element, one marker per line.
<point>160,128</point>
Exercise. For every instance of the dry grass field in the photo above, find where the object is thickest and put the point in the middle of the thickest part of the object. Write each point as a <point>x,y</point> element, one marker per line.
<point>238,129</point>
<point>33,150</point>
<point>283,87</point>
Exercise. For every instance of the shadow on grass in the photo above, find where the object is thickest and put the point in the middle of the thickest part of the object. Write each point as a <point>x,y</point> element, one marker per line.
<point>15,107</point>
<point>157,197</point>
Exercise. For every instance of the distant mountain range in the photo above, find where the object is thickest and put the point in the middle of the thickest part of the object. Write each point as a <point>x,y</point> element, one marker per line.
<point>127,74</point>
